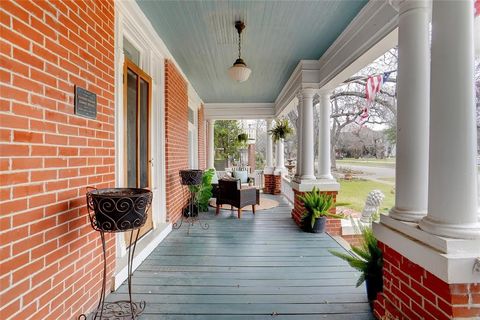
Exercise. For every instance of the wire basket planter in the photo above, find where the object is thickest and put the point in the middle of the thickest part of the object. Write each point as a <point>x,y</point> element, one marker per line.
<point>191,178</point>
<point>118,210</point>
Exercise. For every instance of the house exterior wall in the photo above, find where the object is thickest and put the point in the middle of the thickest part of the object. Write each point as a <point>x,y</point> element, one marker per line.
<point>411,292</point>
<point>176,139</point>
<point>202,137</point>
<point>50,257</point>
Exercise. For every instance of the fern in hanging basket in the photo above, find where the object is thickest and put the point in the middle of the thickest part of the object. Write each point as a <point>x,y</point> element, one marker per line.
<point>281,130</point>
<point>242,138</point>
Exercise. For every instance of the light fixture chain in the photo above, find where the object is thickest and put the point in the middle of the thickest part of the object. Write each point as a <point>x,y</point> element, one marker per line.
<point>239,45</point>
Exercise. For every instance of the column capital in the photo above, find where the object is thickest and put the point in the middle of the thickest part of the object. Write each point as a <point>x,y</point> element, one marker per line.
<point>306,93</point>
<point>402,6</point>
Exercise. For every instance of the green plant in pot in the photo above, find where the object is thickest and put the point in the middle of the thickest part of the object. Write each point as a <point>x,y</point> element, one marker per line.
<point>203,191</point>
<point>281,130</point>
<point>317,206</point>
<point>368,259</point>
<point>242,138</point>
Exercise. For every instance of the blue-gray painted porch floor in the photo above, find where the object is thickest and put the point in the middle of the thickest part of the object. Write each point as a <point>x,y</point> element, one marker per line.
<point>261,267</point>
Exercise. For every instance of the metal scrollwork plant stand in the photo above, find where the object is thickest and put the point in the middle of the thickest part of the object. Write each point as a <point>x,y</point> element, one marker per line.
<point>111,211</point>
<point>191,179</point>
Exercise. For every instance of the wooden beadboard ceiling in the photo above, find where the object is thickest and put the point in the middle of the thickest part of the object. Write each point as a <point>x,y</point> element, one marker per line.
<point>202,38</point>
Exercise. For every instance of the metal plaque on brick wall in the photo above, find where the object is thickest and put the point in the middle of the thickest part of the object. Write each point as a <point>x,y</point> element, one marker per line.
<point>85,103</point>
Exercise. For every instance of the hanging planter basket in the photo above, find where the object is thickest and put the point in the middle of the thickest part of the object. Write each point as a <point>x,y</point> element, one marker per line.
<point>191,177</point>
<point>118,209</point>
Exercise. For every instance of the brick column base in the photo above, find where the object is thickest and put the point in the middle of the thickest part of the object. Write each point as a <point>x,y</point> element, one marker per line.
<point>272,184</point>
<point>333,226</point>
<point>411,292</point>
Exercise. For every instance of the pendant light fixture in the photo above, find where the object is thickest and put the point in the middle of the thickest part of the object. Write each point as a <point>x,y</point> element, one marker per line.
<point>239,71</point>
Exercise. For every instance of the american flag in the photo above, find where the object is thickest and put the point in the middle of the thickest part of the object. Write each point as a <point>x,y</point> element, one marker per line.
<point>372,87</point>
<point>374,84</point>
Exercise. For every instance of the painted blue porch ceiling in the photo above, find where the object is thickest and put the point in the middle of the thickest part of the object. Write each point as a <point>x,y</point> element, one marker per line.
<point>202,38</point>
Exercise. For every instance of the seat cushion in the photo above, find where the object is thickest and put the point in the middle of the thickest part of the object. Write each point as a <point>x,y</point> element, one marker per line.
<point>242,175</point>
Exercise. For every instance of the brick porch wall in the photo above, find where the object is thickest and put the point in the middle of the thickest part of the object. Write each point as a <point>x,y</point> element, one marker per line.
<point>333,226</point>
<point>51,259</point>
<point>411,292</point>
<point>202,137</point>
<point>272,184</point>
<point>176,139</point>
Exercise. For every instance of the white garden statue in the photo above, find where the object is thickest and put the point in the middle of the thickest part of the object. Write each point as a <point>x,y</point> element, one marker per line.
<point>372,205</point>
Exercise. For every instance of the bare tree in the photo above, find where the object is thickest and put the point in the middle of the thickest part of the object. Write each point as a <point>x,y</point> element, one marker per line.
<point>349,99</point>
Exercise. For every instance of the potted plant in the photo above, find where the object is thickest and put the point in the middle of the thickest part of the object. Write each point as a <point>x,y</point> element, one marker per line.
<point>242,138</point>
<point>203,191</point>
<point>368,259</point>
<point>317,207</point>
<point>281,130</point>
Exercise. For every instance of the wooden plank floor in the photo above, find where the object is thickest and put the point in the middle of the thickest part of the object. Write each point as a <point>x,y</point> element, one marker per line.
<point>260,267</point>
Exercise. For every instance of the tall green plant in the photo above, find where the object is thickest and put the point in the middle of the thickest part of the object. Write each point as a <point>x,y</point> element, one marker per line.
<point>317,205</point>
<point>204,190</point>
<point>226,138</point>
<point>367,258</point>
<point>281,130</point>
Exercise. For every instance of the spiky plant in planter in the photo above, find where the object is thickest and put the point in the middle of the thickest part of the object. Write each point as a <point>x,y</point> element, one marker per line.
<point>317,206</point>
<point>281,130</point>
<point>368,259</point>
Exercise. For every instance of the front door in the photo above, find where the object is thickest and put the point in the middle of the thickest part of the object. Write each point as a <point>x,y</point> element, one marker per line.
<point>137,112</point>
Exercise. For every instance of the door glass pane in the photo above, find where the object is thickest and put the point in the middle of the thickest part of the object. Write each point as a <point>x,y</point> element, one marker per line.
<point>131,52</point>
<point>131,129</point>
<point>143,134</point>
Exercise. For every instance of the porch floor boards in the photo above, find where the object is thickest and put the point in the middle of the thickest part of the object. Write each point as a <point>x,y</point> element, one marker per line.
<point>260,267</point>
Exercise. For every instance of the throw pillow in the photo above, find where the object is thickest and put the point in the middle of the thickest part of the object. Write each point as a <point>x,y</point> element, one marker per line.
<point>242,175</point>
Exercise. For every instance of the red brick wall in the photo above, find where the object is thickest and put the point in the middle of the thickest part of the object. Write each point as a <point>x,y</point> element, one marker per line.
<point>176,139</point>
<point>202,137</point>
<point>272,184</point>
<point>50,257</point>
<point>411,292</point>
<point>333,226</point>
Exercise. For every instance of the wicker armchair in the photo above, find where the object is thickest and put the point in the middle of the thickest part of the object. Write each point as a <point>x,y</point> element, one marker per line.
<point>229,192</point>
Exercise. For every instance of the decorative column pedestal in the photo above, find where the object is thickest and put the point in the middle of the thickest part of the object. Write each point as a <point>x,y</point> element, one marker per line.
<point>273,184</point>
<point>426,276</point>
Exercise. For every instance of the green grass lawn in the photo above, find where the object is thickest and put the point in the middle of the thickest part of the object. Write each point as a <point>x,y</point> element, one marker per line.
<point>354,192</point>
<point>389,163</point>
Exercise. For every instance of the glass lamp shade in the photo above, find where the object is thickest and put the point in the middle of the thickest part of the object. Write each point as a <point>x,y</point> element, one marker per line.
<point>239,71</point>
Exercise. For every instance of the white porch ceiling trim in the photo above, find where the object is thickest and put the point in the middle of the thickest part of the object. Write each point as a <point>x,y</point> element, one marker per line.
<point>374,23</point>
<point>239,111</point>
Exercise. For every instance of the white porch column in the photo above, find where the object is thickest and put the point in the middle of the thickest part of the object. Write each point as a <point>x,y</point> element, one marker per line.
<point>413,94</point>
<point>280,157</point>
<point>308,155</point>
<point>298,169</point>
<point>324,166</point>
<point>452,184</point>
<point>269,150</point>
<point>211,144</point>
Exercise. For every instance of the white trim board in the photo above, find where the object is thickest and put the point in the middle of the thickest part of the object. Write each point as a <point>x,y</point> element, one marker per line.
<point>454,267</point>
<point>239,111</point>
